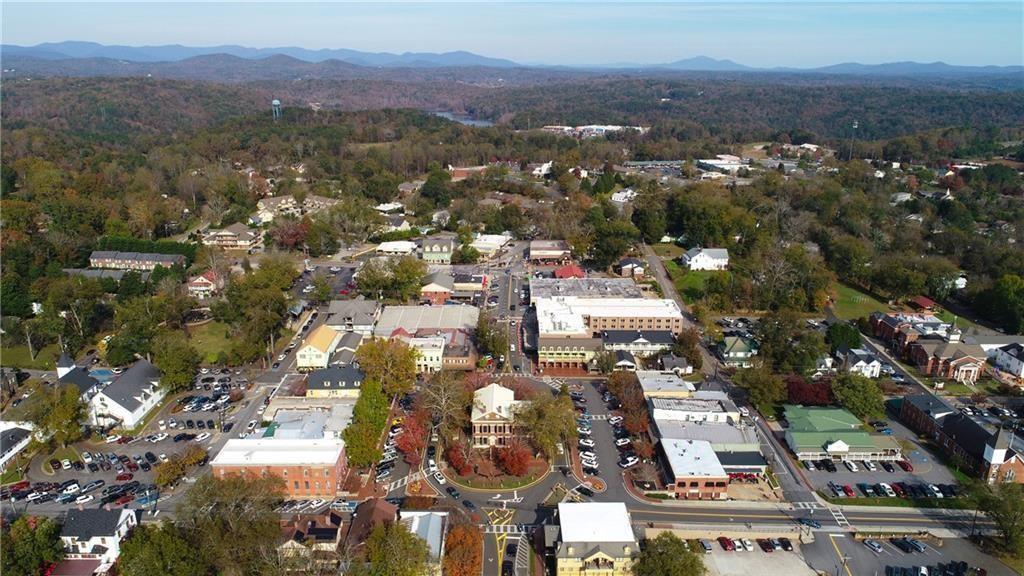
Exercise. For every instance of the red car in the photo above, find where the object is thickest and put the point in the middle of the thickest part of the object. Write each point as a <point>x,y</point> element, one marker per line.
<point>124,439</point>
<point>849,491</point>
<point>23,485</point>
<point>125,499</point>
<point>907,466</point>
<point>126,476</point>
<point>727,544</point>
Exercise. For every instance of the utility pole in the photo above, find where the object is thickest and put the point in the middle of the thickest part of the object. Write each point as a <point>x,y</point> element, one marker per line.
<point>853,137</point>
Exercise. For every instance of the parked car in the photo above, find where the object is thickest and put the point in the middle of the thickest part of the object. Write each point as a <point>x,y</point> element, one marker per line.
<point>440,477</point>
<point>726,544</point>
<point>765,545</point>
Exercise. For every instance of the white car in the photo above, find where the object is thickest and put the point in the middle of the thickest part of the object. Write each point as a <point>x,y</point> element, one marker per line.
<point>204,370</point>
<point>588,455</point>
<point>160,437</point>
<point>586,443</point>
<point>71,489</point>
<point>851,466</point>
<point>251,426</point>
<point>163,457</point>
<point>65,464</point>
<point>748,544</point>
<point>888,490</point>
<point>623,442</point>
<point>935,490</point>
<point>431,465</point>
<point>583,431</point>
<point>629,461</point>
<point>591,462</point>
<point>870,465</point>
<point>744,411</point>
<point>202,436</point>
<point>615,420</point>
<point>162,424</point>
<point>112,438</point>
<point>281,357</point>
<point>84,498</point>
<point>173,423</point>
<point>314,504</point>
<point>86,457</point>
<point>440,477</point>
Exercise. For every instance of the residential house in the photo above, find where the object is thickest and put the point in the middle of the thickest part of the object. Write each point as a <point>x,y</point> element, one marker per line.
<point>310,468</point>
<point>953,360</point>
<point>737,351</point>
<point>705,259</point>
<point>440,218</point>
<point>69,373</point>
<point>126,401</point>
<point>594,538</point>
<point>345,351</point>
<point>430,527</point>
<point>395,223</point>
<point>368,515</point>
<point>357,316</point>
<point>237,236</point>
<point>816,433</point>
<point>625,361</point>
<point>493,416</point>
<point>14,437</point>
<point>1010,359</point>
<point>310,540</point>
<point>570,271</point>
<point>643,342</point>
<point>133,260</point>
<point>437,250</point>
<point>438,288</point>
<point>316,350</point>
<point>273,206</point>
<point>630,268</point>
<point>205,285</point>
<point>694,471</point>
<point>334,382</point>
<point>676,364</point>
<point>95,534</point>
<point>859,361</point>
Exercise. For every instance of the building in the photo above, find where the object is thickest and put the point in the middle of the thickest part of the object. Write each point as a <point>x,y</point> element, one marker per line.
<point>859,361</point>
<point>314,538</point>
<point>493,416</point>
<point>357,316</point>
<point>590,317</point>
<point>133,260</point>
<point>395,223</point>
<point>430,527</point>
<point>737,351</point>
<point>923,413</point>
<point>594,538</point>
<point>345,351</point>
<point>309,468</point>
<point>724,163</point>
<point>95,535</point>
<point>992,454</point>
<point>437,249</point>
<point>14,437</point>
<point>817,433</point>
<point>693,470</point>
<point>569,271</point>
<point>410,320</point>
<point>467,285</point>
<point>677,364</point>
<point>705,259</point>
<point>638,341</point>
<point>397,248</point>
<point>316,350</point>
<point>429,352</point>
<point>126,401</point>
<point>70,374</point>
<point>550,251</point>
<point>334,382</point>
<point>489,244</point>
<point>581,287</point>
<point>663,384</point>
<point>368,515</point>
<point>625,361</point>
<point>1010,359</point>
<point>954,360</point>
<point>237,236</point>
<point>899,330</point>
<point>205,285</point>
<point>438,288</point>
<point>701,407</point>
<point>630,268</point>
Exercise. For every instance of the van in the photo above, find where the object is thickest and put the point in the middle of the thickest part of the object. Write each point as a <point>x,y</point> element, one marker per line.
<point>917,545</point>
<point>706,545</point>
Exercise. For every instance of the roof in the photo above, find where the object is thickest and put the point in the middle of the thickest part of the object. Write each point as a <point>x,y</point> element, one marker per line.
<point>595,522</point>
<point>429,527</point>
<point>739,458</point>
<point>819,419</point>
<point>323,338</point>
<point>655,381</point>
<point>411,319</point>
<point>559,245</point>
<point>80,378</point>
<point>568,314</point>
<point>929,404</point>
<point>316,527</point>
<point>691,458</point>
<point>967,432</point>
<point>335,378</point>
<point>699,405</point>
<point>570,271</point>
<point>77,567</point>
<point>91,522</point>
<point>283,452</point>
<point>65,361</point>
<point>624,357</point>
<point>663,337</point>
<point>369,514</point>
<point>584,287</point>
<point>10,437</point>
<point>719,434</point>
<point>1015,350</point>
<point>923,302</point>
<point>856,355</point>
<point>634,262</point>
<point>440,279</point>
<point>496,399</point>
<point>673,362</point>
<point>952,350</point>
<point>137,256</point>
<point>397,246</point>
<point>131,384</point>
<point>716,253</point>
<point>439,241</point>
<point>359,312</point>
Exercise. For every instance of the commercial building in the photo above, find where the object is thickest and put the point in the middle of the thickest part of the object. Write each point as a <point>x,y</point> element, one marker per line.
<point>701,407</point>
<point>923,413</point>
<point>410,320</point>
<point>693,471</point>
<point>133,260</point>
<point>357,316</point>
<point>126,401</point>
<point>309,468</point>
<point>397,248</point>
<point>584,288</point>
<point>953,360</point>
<point>643,342</point>
<point>489,244</point>
<point>550,251</point>
<point>817,433</point>
<point>92,538</point>
<point>493,416</point>
<point>237,236</point>
<point>593,538</point>
<point>437,249</point>
<point>437,289</point>
<point>589,317</point>
<point>429,352</point>
<point>316,350</point>
<point>335,382</point>
<point>663,384</point>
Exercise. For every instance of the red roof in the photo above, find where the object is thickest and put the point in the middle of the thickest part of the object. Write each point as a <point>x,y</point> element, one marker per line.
<point>570,271</point>
<point>923,302</point>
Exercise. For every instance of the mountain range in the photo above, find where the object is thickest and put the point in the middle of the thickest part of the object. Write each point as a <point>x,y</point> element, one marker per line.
<point>60,57</point>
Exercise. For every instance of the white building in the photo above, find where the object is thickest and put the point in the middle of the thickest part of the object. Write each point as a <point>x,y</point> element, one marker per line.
<point>706,259</point>
<point>14,437</point>
<point>353,315</point>
<point>429,353</point>
<point>126,401</point>
<point>397,248</point>
<point>430,527</point>
<point>702,407</point>
<point>624,196</point>
<point>317,348</point>
<point>1010,359</point>
<point>664,384</point>
<point>859,361</point>
<point>489,244</point>
<point>95,535</point>
<point>595,538</point>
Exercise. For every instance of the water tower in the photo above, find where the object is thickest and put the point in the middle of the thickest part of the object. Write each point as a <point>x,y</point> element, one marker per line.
<point>275,106</point>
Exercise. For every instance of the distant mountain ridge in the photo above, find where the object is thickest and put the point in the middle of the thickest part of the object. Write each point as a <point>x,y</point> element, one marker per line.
<point>64,54</point>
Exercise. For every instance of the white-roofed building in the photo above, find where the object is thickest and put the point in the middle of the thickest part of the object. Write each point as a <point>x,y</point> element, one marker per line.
<point>694,409</point>
<point>489,244</point>
<point>309,468</point>
<point>493,416</point>
<point>430,527</point>
<point>595,538</point>
<point>705,259</point>
<point>430,352</point>
<point>694,469</point>
<point>397,248</point>
<point>664,384</point>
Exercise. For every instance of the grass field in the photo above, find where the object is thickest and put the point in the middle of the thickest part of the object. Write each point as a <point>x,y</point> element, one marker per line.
<point>964,324</point>
<point>210,340</point>
<point>18,357</point>
<point>851,303</point>
<point>668,251</point>
<point>689,284</point>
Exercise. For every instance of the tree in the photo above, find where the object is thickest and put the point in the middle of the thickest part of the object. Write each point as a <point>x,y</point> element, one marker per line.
<point>604,361</point>
<point>1006,302</point>
<point>369,416</point>
<point>463,551</point>
<point>667,555</point>
<point>764,388</point>
<point>155,550</point>
<point>514,459</point>
<point>58,412</point>
<point>490,339</point>
<point>455,454</point>
<point>799,391</point>
<point>841,334</point>
<point>392,550</point>
<point>30,543</point>
<point>447,398</point>
<point>549,421</point>
<point>176,359</point>
<point>688,346</point>
<point>412,441</point>
<point>860,395</point>
<point>1003,503</point>
<point>390,362</point>
<point>321,289</point>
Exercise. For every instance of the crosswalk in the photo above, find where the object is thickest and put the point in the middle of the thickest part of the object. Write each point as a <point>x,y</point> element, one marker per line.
<point>840,518</point>
<point>508,528</point>
<point>403,481</point>
<point>807,505</point>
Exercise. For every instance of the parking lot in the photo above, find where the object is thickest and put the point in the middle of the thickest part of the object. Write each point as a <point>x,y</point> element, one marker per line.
<point>720,562</point>
<point>828,551</point>
<point>604,432</point>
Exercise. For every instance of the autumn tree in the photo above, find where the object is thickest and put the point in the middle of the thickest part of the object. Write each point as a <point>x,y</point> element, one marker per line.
<point>667,555</point>
<point>412,441</point>
<point>456,455</point>
<point>549,421</point>
<point>58,411</point>
<point>30,543</point>
<point>156,550</point>
<point>447,398</point>
<point>390,362</point>
<point>764,389</point>
<point>688,346</point>
<point>391,550</point>
<point>514,459</point>
<point>463,551</point>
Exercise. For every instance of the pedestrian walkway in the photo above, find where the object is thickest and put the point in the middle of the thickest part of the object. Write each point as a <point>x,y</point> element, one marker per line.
<point>508,528</point>
<point>404,481</point>
<point>838,515</point>
<point>807,505</point>
<point>523,556</point>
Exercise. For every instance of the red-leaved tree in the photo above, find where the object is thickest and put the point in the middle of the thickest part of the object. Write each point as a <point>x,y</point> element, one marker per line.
<point>514,459</point>
<point>412,441</point>
<point>799,391</point>
<point>457,458</point>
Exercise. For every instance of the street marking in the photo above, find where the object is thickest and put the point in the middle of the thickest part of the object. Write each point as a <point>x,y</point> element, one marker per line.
<point>807,505</point>
<point>839,555</point>
<point>403,481</point>
<point>681,512</point>
<point>840,519</point>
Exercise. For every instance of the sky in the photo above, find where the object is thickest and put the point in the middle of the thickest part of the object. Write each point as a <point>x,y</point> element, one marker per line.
<point>758,33</point>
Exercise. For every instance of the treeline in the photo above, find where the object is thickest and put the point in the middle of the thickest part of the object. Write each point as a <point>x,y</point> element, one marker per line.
<point>128,244</point>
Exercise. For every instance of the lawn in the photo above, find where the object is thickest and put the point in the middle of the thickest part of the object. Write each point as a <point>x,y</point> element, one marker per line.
<point>851,303</point>
<point>964,324</point>
<point>18,357</point>
<point>210,340</point>
<point>689,284</point>
<point>952,388</point>
<point>668,250</point>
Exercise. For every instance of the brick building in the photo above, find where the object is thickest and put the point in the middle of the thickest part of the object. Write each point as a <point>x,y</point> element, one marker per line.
<point>923,412</point>
<point>694,471</point>
<point>309,468</point>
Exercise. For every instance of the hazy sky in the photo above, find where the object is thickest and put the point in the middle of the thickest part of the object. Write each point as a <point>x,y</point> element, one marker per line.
<point>754,33</point>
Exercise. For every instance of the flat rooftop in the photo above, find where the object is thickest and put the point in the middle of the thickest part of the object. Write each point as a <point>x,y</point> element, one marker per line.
<point>663,381</point>
<point>595,522</point>
<point>692,459</point>
<point>414,318</point>
<point>719,434</point>
<point>693,405</point>
<point>569,314</point>
<point>584,288</point>
<point>279,452</point>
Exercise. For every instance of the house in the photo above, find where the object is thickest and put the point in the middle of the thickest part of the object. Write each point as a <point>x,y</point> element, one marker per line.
<point>549,251</point>
<point>273,206</point>
<point>694,471</point>
<point>395,223</point>
<point>430,527</point>
<point>594,538</point>
<point>438,288</point>
<point>310,468</point>
<point>368,515</point>
<point>95,534</point>
<point>440,218</point>
<point>625,361</point>
<point>316,350</point>
<point>643,342</point>
<point>737,351</point>
<point>816,433</point>
<point>922,303</point>
<point>823,366</point>
<point>429,352</point>
<point>69,373</point>
<point>923,413</point>
<point>623,197</point>
<point>397,248</point>
<point>437,250</point>
<point>705,259</point>
<point>313,538</point>
<point>334,382</point>
<point>133,260</point>
<point>345,351</point>
<point>14,437</point>
<point>859,361</point>
<point>1010,359</point>
<point>661,384</point>
<point>465,285</point>
<point>389,207</point>
<point>676,364</point>
<point>570,271</point>
<point>126,401</point>
<point>237,236</point>
<point>630,268</point>
<point>205,285</point>
<point>954,360</point>
<point>493,416</point>
<point>357,316</point>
